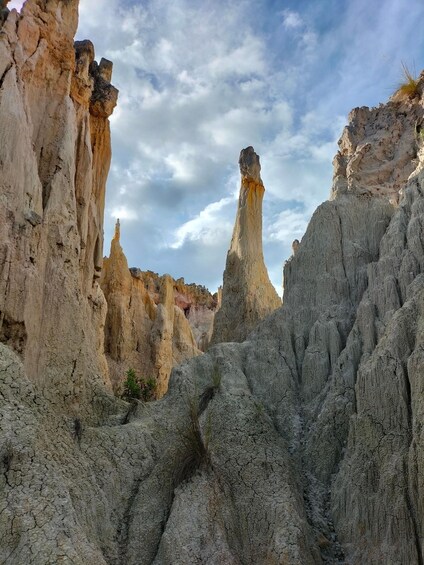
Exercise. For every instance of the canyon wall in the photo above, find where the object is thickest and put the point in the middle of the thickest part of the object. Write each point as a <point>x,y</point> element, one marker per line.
<point>54,154</point>
<point>303,445</point>
<point>247,294</point>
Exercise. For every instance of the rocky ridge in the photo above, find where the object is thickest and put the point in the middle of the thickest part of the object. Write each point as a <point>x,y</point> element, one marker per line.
<point>147,333</point>
<point>197,303</point>
<point>302,445</point>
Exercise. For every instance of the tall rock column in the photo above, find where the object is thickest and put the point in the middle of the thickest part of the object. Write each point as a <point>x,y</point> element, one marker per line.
<point>247,295</point>
<point>55,101</point>
<point>117,283</point>
<point>162,333</point>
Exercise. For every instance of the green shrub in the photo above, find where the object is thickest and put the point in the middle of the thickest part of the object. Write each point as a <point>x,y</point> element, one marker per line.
<point>138,388</point>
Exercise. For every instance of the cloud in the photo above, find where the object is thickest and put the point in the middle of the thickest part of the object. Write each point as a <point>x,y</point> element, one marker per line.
<point>200,81</point>
<point>210,226</point>
<point>291,20</point>
<point>17,4</point>
<point>123,213</point>
<point>288,225</point>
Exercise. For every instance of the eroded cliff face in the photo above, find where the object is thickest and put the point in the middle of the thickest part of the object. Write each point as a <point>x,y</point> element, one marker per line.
<point>303,445</point>
<point>144,330</point>
<point>247,294</point>
<point>197,303</point>
<point>54,156</point>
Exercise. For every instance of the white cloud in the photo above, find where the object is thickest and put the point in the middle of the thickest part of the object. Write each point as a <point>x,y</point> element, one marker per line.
<point>200,81</point>
<point>248,58</point>
<point>123,213</point>
<point>291,20</point>
<point>210,227</point>
<point>288,225</point>
<point>17,4</point>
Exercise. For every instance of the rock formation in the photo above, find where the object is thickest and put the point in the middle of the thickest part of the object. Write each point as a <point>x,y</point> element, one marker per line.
<point>247,295</point>
<point>54,158</point>
<point>197,303</point>
<point>303,445</point>
<point>143,330</point>
<point>4,10</point>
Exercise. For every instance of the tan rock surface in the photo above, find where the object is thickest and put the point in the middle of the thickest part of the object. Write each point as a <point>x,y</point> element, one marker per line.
<point>197,303</point>
<point>150,337</point>
<point>54,156</point>
<point>247,295</point>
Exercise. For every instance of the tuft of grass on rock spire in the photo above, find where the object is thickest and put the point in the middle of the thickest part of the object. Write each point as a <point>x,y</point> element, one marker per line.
<point>408,87</point>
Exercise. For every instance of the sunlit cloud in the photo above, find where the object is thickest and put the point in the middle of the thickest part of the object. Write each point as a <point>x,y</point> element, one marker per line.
<point>17,4</point>
<point>208,227</point>
<point>123,213</point>
<point>198,82</point>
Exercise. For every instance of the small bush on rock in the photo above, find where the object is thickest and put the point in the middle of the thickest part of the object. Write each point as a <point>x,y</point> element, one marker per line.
<point>138,388</point>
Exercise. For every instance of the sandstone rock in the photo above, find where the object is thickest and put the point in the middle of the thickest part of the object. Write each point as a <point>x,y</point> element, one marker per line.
<point>247,295</point>
<point>197,303</point>
<point>52,184</point>
<point>139,333</point>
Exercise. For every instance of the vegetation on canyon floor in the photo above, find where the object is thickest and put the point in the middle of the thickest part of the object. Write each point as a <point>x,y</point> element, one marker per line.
<point>138,388</point>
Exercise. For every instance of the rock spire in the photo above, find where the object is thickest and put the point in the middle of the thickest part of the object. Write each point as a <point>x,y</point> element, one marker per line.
<point>117,233</point>
<point>247,295</point>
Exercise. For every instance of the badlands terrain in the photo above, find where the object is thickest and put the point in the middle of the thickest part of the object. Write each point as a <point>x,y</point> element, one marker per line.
<point>281,433</point>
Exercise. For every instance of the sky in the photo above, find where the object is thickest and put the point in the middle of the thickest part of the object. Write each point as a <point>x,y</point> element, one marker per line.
<point>200,80</point>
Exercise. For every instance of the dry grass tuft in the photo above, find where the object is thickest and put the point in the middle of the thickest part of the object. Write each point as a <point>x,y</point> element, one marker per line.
<point>210,391</point>
<point>196,452</point>
<point>408,88</point>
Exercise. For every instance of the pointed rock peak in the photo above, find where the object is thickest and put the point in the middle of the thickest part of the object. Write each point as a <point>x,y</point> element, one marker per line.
<point>117,234</point>
<point>247,295</point>
<point>84,48</point>
<point>295,246</point>
<point>166,291</point>
<point>250,166</point>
